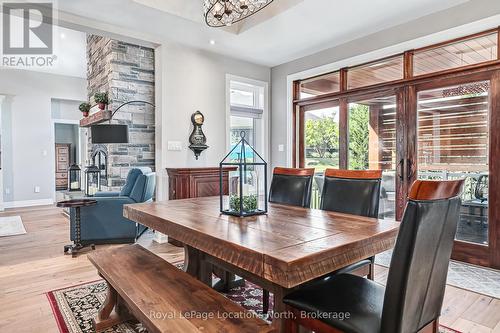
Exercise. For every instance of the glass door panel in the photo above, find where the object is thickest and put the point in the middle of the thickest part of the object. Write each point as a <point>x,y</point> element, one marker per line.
<point>321,143</point>
<point>321,138</point>
<point>372,145</point>
<point>452,143</point>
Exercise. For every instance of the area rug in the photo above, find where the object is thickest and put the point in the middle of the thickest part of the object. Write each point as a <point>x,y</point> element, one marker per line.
<point>11,226</point>
<point>461,275</point>
<point>74,307</point>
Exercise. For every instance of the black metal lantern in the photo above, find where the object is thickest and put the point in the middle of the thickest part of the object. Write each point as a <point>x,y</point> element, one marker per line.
<point>247,184</point>
<point>93,180</point>
<point>74,178</point>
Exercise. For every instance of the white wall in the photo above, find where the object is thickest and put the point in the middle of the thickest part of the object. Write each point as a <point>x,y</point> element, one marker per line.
<point>458,21</point>
<point>28,131</point>
<point>191,80</point>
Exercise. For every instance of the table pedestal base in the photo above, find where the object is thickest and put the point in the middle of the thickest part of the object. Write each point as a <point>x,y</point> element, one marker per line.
<point>227,281</point>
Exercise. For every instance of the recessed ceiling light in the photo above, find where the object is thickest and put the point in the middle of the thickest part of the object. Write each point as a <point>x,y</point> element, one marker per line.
<point>212,42</point>
<point>63,36</point>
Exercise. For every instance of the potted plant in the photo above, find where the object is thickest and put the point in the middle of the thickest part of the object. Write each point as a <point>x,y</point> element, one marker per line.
<point>101,98</point>
<point>85,108</point>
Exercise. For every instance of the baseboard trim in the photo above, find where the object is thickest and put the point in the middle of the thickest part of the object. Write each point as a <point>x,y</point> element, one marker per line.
<point>26,203</point>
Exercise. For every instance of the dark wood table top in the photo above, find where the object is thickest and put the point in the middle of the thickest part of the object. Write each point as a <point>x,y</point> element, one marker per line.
<point>288,246</point>
<point>76,203</point>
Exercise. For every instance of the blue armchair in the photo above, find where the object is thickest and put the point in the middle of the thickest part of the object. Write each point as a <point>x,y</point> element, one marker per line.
<point>104,222</point>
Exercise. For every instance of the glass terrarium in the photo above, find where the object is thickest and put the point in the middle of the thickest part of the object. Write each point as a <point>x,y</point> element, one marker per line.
<point>247,188</point>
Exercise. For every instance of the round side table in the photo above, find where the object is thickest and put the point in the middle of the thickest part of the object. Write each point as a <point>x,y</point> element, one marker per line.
<point>77,245</point>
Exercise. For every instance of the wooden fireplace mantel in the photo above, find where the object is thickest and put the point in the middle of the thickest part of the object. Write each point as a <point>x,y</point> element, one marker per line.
<point>196,182</point>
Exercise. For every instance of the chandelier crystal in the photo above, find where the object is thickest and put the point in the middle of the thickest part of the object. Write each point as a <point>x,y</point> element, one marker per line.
<point>221,13</point>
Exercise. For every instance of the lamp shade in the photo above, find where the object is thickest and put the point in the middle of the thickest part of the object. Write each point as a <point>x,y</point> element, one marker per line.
<point>103,134</point>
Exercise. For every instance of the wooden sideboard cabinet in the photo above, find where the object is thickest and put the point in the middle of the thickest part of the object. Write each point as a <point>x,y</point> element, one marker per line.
<point>196,182</point>
<point>184,183</point>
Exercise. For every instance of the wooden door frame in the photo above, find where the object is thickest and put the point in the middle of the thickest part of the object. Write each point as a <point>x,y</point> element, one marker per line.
<point>479,254</point>
<point>406,92</point>
<point>407,112</point>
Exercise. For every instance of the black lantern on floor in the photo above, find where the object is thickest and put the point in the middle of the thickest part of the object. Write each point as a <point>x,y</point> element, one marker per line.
<point>93,180</point>
<point>74,178</point>
<point>247,185</point>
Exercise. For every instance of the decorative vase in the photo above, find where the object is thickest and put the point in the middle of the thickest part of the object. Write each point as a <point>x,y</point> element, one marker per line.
<point>102,106</point>
<point>85,113</point>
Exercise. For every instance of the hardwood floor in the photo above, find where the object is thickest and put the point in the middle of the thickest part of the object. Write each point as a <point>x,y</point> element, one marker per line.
<point>33,264</point>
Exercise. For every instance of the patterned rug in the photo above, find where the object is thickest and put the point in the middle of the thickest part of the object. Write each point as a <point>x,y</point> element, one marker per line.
<point>75,306</point>
<point>465,276</point>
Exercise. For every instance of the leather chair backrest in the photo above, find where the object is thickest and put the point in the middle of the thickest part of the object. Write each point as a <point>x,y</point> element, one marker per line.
<point>352,191</point>
<point>291,186</point>
<point>131,179</point>
<point>419,266</point>
<point>144,188</point>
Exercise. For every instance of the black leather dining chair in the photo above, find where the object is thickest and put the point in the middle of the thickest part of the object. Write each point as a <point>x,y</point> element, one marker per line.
<point>411,302</point>
<point>290,186</point>
<point>354,192</point>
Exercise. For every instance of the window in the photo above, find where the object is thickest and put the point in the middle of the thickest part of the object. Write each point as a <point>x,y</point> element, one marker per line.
<point>320,85</point>
<point>372,145</point>
<point>246,114</point>
<point>453,143</point>
<point>465,52</point>
<point>375,72</point>
<point>321,136</point>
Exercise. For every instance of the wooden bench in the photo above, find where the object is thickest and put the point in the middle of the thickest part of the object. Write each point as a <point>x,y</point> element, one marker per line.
<point>164,298</point>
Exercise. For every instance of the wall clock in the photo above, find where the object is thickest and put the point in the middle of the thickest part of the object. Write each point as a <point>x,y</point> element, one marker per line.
<point>197,139</point>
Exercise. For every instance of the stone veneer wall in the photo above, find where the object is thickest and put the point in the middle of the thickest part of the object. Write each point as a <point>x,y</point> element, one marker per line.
<point>126,71</point>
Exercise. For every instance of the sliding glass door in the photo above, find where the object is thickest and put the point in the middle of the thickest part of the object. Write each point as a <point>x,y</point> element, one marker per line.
<point>372,144</point>
<point>454,129</point>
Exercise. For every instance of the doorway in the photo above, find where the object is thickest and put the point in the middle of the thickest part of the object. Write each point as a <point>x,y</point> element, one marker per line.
<point>67,152</point>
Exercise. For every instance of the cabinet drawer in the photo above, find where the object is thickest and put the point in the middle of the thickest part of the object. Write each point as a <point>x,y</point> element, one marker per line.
<point>61,175</point>
<point>61,182</point>
<point>61,167</point>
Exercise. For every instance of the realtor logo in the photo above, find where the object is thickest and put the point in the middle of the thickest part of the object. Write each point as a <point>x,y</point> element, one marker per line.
<point>27,28</point>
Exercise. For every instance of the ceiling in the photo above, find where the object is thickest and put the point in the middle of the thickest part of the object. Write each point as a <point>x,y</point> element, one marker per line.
<point>274,36</point>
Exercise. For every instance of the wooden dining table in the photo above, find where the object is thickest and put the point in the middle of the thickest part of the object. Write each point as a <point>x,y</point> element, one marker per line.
<point>278,251</point>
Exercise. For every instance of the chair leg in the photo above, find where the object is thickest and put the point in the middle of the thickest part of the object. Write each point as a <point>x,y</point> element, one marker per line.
<point>371,274</point>
<point>265,301</point>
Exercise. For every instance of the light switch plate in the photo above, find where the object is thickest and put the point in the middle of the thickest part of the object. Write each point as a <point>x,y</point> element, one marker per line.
<point>281,147</point>
<point>174,145</point>
<point>37,189</point>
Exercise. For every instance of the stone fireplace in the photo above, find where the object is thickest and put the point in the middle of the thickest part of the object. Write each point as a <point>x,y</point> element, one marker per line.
<point>126,71</point>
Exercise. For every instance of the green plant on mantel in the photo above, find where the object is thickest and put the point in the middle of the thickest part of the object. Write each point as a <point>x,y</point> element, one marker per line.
<point>84,107</point>
<point>249,203</point>
<point>101,98</point>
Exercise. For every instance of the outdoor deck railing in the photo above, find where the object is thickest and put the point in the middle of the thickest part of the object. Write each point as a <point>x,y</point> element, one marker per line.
<point>471,179</point>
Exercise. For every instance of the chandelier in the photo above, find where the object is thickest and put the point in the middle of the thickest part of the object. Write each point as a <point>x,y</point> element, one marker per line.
<point>220,13</point>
